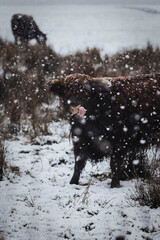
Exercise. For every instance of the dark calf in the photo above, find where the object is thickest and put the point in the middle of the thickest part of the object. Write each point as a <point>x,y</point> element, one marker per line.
<point>24,28</point>
<point>116,117</point>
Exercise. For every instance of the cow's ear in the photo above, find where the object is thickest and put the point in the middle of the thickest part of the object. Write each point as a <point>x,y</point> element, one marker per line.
<point>57,87</point>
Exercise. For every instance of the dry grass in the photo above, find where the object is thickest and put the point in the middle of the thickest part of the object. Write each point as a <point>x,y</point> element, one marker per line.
<point>147,191</point>
<point>24,87</point>
<point>27,199</point>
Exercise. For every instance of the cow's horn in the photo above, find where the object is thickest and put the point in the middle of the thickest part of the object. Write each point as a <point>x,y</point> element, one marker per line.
<point>54,81</point>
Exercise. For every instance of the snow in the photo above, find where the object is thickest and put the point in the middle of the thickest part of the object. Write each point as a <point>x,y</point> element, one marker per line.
<point>39,203</point>
<point>74,27</point>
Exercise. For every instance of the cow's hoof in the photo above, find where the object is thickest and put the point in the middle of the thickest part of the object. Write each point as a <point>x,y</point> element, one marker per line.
<point>115,184</point>
<point>73,181</point>
<point>75,178</point>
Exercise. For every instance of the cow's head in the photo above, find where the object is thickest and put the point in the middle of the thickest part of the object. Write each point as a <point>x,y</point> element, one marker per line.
<point>75,90</point>
<point>78,92</point>
<point>42,38</point>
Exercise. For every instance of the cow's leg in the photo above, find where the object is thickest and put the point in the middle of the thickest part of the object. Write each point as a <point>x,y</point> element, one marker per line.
<point>80,162</point>
<point>116,163</point>
<point>38,39</point>
<point>16,40</point>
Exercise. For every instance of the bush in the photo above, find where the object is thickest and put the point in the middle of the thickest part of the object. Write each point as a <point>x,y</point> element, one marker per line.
<point>147,191</point>
<point>135,61</point>
<point>88,62</point>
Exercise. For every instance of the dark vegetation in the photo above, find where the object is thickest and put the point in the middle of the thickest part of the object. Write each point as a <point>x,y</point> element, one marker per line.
<point>147,191</point>
<point>25,71</point>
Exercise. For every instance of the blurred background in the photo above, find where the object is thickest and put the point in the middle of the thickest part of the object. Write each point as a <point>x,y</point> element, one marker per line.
<point>74,25</point>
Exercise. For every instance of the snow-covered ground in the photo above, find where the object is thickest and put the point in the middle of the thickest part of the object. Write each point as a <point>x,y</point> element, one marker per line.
<point>40,204</point>
<point>74,27</point>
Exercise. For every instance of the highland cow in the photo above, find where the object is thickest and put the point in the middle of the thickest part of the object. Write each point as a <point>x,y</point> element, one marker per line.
<point>116,117</point>
<point>24,28</point>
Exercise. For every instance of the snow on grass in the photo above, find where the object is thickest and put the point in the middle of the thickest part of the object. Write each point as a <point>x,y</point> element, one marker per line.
<point>39,203</point>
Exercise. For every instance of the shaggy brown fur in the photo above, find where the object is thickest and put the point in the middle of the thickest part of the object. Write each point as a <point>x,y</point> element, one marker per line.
<point>122,119</point>
<point>24,28</point>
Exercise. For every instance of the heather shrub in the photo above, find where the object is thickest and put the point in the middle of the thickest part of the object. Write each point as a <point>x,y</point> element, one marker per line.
<point>135,61</point>
<point>147,191</point>
<point>89,62</point>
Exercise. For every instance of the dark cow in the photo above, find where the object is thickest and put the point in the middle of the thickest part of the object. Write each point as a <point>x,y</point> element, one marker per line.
<point>24,29</point>
<point>116,117</point>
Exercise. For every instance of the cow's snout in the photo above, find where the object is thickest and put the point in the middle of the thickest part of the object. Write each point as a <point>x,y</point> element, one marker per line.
<point>79,111</point>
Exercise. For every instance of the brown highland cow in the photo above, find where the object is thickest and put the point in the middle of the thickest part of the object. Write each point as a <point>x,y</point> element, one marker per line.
<point>116,117</point>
